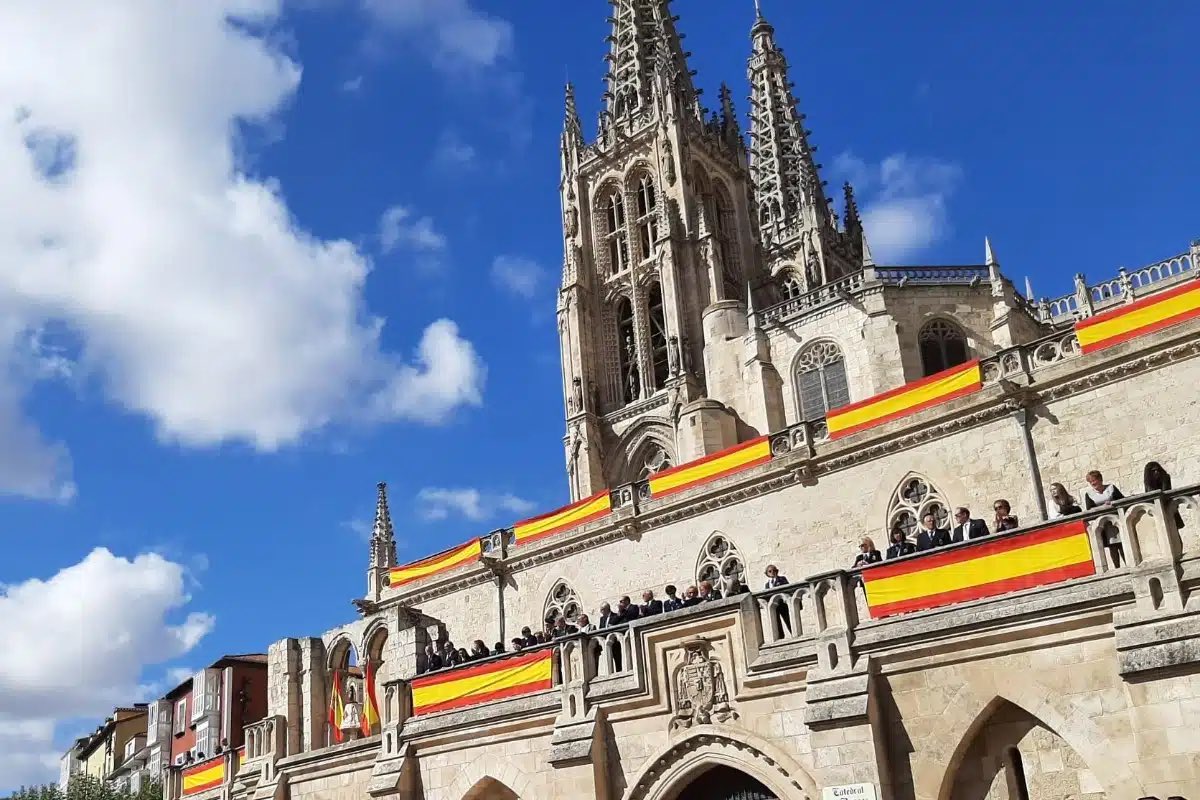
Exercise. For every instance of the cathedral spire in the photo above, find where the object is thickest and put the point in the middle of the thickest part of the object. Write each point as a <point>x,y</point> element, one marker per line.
<point>383,537</point>
<point>788,191</point>
<point>643,39</point>
<point>572,136</point>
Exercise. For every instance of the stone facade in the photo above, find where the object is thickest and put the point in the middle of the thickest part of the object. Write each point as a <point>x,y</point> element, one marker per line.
<point>696,336</point>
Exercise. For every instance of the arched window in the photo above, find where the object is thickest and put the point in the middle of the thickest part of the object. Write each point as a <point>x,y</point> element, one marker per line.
<point>649,458</point>
<point>820,380</point>
<point>792,288</point>
<point>720,562</point>
<point>562,602</point>
<point>658,337</point>
<point>647,217</point>
<point>627,351</point>
<point>616,235</point>
<point>913,499</point>
<point>344,676</point>
<point>726,235</point>
<point>943,346</point>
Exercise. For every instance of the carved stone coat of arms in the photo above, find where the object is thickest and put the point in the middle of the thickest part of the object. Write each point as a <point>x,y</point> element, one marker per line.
<point>701,695</point>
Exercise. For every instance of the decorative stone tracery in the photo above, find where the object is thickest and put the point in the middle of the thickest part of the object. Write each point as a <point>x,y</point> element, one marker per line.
<point>720,562</point>
<point>915,497</point>
<point>562,602</point>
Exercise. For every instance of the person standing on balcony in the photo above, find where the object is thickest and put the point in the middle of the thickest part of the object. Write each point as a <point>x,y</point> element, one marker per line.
<point>965,527</point>
<point>673,602</point>
<point>1005,521</point>
<point>479,649</point>
<point>607,617</point>
<point>1064,504</point>
<point>708,593</point>
<point>867,554</point>
<point>650,606</point>
<point>584,624</point>
<point>900,545</point>
<point>691,597</point>
<point>1099,494</point>
<point>774,579</point>
<point>562,628</point>
<point>527,637</point>
<point>1158,480</point>
<point>433,661</point>
<point>626,610</point>
<point>931,536</point>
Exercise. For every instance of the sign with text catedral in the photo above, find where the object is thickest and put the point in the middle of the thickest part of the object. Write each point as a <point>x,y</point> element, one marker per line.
<point>855,791</point>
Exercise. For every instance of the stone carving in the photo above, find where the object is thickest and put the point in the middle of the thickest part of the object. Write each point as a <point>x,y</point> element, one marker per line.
<point>701,696</point>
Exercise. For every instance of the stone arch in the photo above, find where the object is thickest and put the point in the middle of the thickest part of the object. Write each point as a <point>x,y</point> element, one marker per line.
<point>914,496</point>
<point>942,343</point>
<point>674,766</point>
<point>979,695</point>
<point>489,772</point>
<point>646,435</point>
<point>562,600</point>
<point>719,562</point>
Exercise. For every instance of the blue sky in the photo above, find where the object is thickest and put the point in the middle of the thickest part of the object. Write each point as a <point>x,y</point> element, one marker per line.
<point>248,270</point>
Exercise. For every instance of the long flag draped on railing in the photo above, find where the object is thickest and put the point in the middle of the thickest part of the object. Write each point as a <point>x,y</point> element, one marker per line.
<point>1153,313</point>
<point>370,712</point>
<point>204,776</point>
<point>910,398</point>
<point>710,468</point>
<point>495,680</point>
<point>337,708</point>
<point>980,569</point>
<point>440,562</point>
<point>565,518</point>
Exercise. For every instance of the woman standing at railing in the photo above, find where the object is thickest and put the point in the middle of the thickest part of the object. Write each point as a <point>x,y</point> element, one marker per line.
<point>1102,495</point>
<point>1064,504</point>
<point>1158,480</point>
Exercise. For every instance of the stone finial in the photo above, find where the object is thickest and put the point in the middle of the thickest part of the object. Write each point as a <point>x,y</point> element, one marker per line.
<point>989,255</point>
<point>383,536</point>
<point>867,259</point>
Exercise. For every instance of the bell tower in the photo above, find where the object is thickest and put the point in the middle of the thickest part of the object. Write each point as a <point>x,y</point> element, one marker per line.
<point>660,251</point>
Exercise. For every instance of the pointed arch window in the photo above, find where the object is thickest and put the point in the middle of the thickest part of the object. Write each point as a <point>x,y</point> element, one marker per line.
<point>943,345</point>
<point>647,217</point>
<point>616,235</point>
<point>820,380</point>
<point>562,602</point>
<point>648,458</point>
<point>726,234</point>
<point>627,352</point>
<point>913,499</point>
<point>792,288</point>
<point>658,336</point>
<point>720,562</point>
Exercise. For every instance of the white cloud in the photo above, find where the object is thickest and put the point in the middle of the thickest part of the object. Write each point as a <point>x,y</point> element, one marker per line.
<point>457,35</point>
<point>518,275</point>
<point>903,201</point>
<point>448,374</point>
<point>130,221</point>
<point>361,528</point>
<point>474,505</point>
<point>454,153</point>
<point>400,228</point>
<point>64,658</point>
<point>352,85</point>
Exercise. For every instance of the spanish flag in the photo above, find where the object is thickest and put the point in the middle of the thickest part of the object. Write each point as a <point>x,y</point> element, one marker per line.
<point>984,568</point>
<point>204,776</point>
<point>437,563</point>
<point>470,686</point>
<point>910,398</point>
<point>370,713</point>
<point>1150,314</point>
<point>337,708</point>
<point>710,468</point>
<point>565,518</point>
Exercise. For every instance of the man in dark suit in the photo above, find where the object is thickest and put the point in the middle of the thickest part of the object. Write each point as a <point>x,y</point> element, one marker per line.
<point>627,610</point>
<point>930,535</point>
<point>650,606</point>
<point>608,617</point>
<point>966,528</point>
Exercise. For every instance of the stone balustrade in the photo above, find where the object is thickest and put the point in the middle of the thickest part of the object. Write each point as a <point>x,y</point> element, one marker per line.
<point>265,743</point>
<point>1023,360</point>
<point>823,622</point>
<point>1125,287</point>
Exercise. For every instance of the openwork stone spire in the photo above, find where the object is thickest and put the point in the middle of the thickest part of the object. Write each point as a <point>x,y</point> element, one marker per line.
<point>643,39</point>
<point>572,128</point>
<point>383,537</point>
<point>787,188</point>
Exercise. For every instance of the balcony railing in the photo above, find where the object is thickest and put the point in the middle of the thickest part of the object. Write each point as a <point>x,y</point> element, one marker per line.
<point>1127,286</point>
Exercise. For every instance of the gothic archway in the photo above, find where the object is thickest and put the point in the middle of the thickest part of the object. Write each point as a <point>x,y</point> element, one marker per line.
<point>725,783</point>
<point>720,562</point>
<point>646,448</point>
<point>490,789</point>
<point>670,772</point>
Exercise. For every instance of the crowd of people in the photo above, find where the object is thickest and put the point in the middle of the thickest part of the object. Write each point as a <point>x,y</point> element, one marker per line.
<point>928,536</point>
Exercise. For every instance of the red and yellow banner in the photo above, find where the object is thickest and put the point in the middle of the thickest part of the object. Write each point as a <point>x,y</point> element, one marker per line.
<point>718,465</point>
<point>337,708</point>
<point>1144,316</point>
<point>908,399</point>
<point>370,711</point>
<point>470,686</point>
<point>441,562</point>
<point>984,568</point>
<point>572,516</point>
<point>205,776</point>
